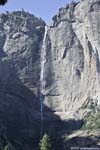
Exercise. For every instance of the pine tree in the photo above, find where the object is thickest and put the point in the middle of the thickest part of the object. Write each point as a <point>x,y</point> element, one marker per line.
<point>45,143</point>
<point>5,147</point>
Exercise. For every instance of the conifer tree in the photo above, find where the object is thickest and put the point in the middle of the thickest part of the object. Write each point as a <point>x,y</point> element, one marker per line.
<point>5,147</point>
<point>45,143</point>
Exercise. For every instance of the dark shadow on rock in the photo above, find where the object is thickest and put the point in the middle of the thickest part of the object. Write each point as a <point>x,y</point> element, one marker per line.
<point>2,53</point>
<point>71,125</point>
<point>20,116</point>
<point>82,142</point>
<point>17,107</point>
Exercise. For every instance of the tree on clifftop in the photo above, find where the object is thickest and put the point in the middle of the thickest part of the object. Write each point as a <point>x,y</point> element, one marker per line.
<point>3,2</point>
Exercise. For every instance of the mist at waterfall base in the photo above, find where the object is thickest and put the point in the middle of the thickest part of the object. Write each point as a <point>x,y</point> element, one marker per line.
<point>44,9</point>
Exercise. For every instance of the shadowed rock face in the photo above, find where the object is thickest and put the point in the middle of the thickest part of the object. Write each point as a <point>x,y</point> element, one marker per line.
<point>83,139</point>
<point>18,105</point>
<point>20,41</point>
<point>21,36</point>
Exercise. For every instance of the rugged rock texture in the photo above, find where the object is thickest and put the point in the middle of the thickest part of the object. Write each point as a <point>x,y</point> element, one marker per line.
<point>83,138</point>
<point>21,37</point>
<point>73,55</point>
<point>20,41</point>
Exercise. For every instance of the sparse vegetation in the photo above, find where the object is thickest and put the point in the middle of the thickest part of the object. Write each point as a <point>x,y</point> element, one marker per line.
<point>92,121</point>
<point>6,147</point>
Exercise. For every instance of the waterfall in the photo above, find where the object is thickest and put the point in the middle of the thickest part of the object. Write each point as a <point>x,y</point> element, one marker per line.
<point>42,77</point>
<point>43,61</point>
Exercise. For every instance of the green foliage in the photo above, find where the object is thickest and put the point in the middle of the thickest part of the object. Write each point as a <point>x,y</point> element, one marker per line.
<point>45,143</point>
<point>3,2</point>
<point>6,147</point>
<point>92,121</point>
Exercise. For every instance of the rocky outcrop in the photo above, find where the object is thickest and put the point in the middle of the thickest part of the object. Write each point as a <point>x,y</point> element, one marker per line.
<point>83,138</point>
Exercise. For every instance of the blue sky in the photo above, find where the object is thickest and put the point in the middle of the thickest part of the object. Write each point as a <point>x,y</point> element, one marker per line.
<point>40,8</point>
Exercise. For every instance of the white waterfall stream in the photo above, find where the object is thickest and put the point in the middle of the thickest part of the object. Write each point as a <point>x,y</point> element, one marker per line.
<point>42,77</point>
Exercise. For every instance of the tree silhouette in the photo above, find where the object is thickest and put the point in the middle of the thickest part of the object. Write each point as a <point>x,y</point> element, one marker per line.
<point>3,2</point>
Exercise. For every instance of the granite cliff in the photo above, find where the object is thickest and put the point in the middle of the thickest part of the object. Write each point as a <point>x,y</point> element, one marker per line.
<point>73,60</point>
<point>21,38</point>
<point>69,52</point>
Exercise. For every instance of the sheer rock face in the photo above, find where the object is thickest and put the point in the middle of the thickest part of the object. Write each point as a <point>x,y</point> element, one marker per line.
<point>21,35</point>
<point>73,60</point>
